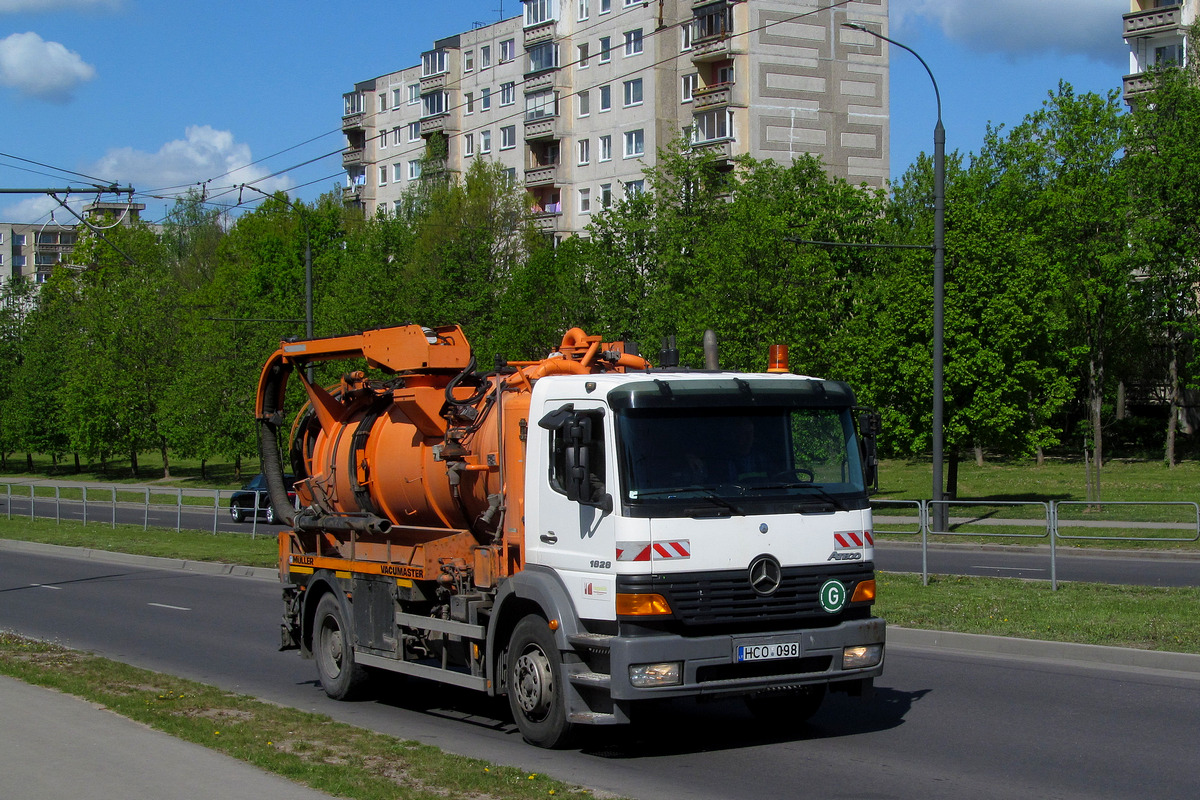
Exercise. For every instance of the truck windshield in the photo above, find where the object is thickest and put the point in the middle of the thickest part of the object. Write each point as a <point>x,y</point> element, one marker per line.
<point>739,459</point>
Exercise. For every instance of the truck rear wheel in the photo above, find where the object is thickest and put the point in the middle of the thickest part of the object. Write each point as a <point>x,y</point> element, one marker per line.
<point>333,648</point>
<point>535,693</point>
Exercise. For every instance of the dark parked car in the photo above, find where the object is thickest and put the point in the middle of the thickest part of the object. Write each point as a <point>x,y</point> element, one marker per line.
<point>241,503</point>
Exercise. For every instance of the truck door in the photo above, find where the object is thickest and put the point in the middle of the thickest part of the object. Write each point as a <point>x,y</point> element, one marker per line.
<point>572,527</point>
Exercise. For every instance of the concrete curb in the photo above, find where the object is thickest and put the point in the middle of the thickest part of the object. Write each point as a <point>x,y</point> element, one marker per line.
<point>151,562</point>
<point>1098,655</point>
<point>903,637</point>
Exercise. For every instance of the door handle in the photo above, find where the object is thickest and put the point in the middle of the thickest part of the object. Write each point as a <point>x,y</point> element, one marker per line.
<point>549,538</point>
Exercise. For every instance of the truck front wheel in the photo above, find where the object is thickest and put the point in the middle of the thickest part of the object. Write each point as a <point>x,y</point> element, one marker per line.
<point>334,651</point>
<point>535,693</point>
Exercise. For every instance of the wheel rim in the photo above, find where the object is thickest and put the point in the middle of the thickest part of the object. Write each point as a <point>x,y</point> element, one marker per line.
<point>332,647</point>
<point>534,681</point>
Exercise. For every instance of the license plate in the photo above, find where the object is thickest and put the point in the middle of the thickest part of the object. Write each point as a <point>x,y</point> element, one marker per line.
<point>766,652</point>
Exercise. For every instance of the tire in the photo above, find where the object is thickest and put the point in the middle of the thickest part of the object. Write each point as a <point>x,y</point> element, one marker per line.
<point>237,513</point>
<point>333,651</point>
<point>785,708</point>
<point>534,685</point>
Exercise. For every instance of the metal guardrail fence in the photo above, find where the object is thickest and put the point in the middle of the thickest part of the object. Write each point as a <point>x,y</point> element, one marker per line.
<point>192,502</point>
<point>1046,522</point>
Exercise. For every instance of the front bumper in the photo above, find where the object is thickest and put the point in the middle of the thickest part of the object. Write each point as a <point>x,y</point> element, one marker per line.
<point>710,666</point>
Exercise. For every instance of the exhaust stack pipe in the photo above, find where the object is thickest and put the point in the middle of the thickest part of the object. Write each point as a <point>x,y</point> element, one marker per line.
<point>711,361</point>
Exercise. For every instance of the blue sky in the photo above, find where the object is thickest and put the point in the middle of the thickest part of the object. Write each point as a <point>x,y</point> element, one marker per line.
<point>162,95</point>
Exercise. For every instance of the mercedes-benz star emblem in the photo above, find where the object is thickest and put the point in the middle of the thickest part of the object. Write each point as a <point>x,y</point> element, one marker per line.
<point>765,575</point>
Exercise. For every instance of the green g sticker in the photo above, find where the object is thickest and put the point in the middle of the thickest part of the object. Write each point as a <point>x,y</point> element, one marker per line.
<point>833,595</point>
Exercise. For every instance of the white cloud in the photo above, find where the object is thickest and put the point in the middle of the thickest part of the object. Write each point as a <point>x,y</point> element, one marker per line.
<point>1089,28</point>
<point>205,153</point>
<point>37,209</point>
<point>41,69</point>
<point>18,6</point>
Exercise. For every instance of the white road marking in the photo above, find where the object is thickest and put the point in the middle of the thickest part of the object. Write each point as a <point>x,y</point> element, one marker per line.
<point>46,586</point>
<point>1011,569</point>
<point>164,605</point>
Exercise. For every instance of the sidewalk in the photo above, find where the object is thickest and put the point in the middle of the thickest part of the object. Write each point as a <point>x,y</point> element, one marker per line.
<point>57,745</point>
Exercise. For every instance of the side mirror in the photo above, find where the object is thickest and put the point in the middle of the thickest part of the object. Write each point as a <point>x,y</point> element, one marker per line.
<point>581,482</point>
<point>870,424</point>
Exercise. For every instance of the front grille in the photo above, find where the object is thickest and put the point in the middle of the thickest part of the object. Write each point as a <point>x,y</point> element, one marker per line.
<point>763,669</point>
<point>715,599</point>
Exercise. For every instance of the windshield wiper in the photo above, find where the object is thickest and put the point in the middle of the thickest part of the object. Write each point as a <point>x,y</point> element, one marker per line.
<point>817,488</point>
<point>704,492</point>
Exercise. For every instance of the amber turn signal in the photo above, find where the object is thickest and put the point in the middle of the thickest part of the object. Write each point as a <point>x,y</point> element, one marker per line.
<point>864,591</point>
<point>642,605</point>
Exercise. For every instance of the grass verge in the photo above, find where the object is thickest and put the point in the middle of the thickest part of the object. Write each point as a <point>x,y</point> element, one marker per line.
<point>1143,617</point>
<point>222,548</point>
<point>312,749</point>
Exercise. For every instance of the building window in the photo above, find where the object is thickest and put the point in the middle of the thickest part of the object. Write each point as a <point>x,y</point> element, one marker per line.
<point>485,141</point>
<point>485,56</point>
<point>635,143</point>
<point>713,125</point>
<point>717,22</point>
<point>469,59</point>
<point>605,6</point>
<point>605,98</point>
<point>582,60</point>
<point>469,144</point>
<point>414,169</point>
<point>383,106</point>
<point>397,98</point>
<point>469,102</point>
<point>725,73</point>
<point>383,175</point>
<point>689,87</point>
<point>508,50</point>
<point>606,195</point>
<point>541,104</point>
<point>485,99</point>
<point>18,240</point>
<point>433,63</point>
<point>605,49</point>
<point>354,103</point>
<point>633,42</point>
<point>414,131</point>
<point>583,10</point>
<point>397,172</point>
<point>585,201</point>
<point>508,137</point>
<point>629,3</point>
<point>542,57</point>
<point>383,139</point>
<point>606,148</point>
<point>585,151</point>
<point>635,187</point>
<point>585,103</point>
<point>508,93</point>
<point>397,207</point>
<point>433,104</point>
<point>633,92</point>
<point>414,93</point>
<point>685,37</point>
<point>539,11</point>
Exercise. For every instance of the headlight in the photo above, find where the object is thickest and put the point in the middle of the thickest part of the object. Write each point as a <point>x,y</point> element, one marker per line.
<point>862,656</point>
<point>669,673</point>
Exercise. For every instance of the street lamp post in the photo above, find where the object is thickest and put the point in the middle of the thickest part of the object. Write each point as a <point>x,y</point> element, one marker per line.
<point>939,279</point>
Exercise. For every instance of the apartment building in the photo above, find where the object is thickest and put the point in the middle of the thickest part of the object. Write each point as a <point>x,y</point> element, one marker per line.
<point>1156,32</point>
<point>574,97</point>
<point>32,251</point>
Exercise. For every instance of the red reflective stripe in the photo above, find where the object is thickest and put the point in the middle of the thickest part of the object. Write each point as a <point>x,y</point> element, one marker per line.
<point>644,555</point>
<point>837,537</point>
<point>870,539</point>
<point>681,548</point>
<point>855,537</point>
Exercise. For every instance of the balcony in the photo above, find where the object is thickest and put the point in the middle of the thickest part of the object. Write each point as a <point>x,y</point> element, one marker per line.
<point>541,128</point>
<point>715,48</point>
<point>721,148</point>
<point>432,83</point>
<point>542,32</point>
<point>719,94</point>
<point>546,221</point>
<point>437,123</point>
<point>1156,20</point>
<point>352,157</point>
<point>1134,85</point>
<point>352,195</point>
<point>353,122</point>
<point>541,176</point>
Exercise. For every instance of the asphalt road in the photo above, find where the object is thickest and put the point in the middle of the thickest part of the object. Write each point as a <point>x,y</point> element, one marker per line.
<point>943,724</point>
